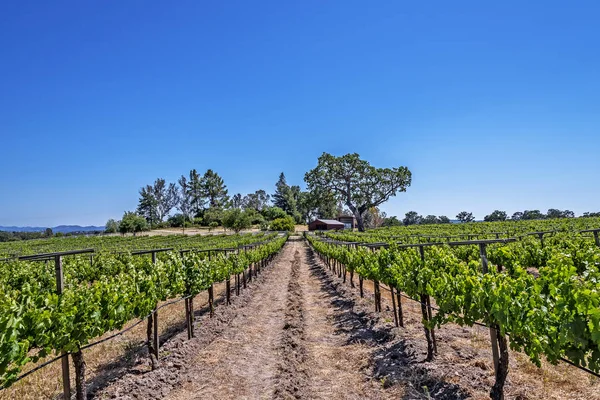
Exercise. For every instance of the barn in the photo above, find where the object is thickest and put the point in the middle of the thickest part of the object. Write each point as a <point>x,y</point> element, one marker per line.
<point>349,221</point>
<point>325,225</point>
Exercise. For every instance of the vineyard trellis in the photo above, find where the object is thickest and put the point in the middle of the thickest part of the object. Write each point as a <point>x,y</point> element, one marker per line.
<point>404,268</point>
<point>185,271</point>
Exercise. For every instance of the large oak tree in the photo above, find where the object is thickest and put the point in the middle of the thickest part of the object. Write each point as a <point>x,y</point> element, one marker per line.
<point>356,183</point>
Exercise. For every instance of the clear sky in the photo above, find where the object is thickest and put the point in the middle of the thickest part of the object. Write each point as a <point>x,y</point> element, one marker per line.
<point>491,105</point>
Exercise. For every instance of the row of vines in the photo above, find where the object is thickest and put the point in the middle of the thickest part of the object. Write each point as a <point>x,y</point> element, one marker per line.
<point>543,295</point>
<point>104,292</point>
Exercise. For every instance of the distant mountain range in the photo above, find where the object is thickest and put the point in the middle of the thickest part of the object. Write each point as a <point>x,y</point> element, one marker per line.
<point>60,228</point>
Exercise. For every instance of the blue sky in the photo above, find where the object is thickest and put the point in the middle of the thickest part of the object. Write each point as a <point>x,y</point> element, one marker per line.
<point>490,105</point>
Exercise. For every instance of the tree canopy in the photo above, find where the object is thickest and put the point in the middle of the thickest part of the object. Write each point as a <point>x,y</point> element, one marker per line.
<point>465,216</point>
<point>356,183</point>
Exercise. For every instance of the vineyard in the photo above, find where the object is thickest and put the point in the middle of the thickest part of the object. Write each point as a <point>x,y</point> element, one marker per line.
<point>535,285</point>
<point>532,285</point>
<point>59,295</point>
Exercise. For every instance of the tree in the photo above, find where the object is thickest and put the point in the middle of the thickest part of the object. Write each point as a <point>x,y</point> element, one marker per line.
<point>271,213</point>
<point>517,216</point>
<point>374,217</point>
<point>148,205</point>
<point>412,218</point>
<point>166,196</point>
<point>256,201</point>
<point>568,214</point>
<point>213,190</point>
<point>237,201</point>
<point>213,215</point>
<point>497,215</point>
<point>156,201</point>
<point>283,224</point>
<point>178,221</point>
<point>184,203</point>
<point>588,214</point>
<point>554,213</point>
<point>194,192</point>
<point>312,205</point>
<point>111,226</point>
<point>532,214</point>
<point>48,232</point>
<point>392,221</point>
<point>464,216</point>
<point>282,195</point>
<point>443,219</point>
<point>429,220</point>
<point>132,222</point>
<point>356,183</point>
<point>236,219</point>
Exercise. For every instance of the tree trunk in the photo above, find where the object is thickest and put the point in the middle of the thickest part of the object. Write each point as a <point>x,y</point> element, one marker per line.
<point>497,392</point>
<point>427,332</point>
<point>149,337</point>
<point>79,364</point>
<point>360,222</point>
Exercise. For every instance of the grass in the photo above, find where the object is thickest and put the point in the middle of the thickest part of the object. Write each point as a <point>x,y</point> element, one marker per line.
<point>101,360</point>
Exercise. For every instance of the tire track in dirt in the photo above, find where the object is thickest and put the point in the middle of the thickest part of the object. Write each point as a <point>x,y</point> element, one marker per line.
<point>338,357</point>
<point>243,361</point>
<point>292,376</point>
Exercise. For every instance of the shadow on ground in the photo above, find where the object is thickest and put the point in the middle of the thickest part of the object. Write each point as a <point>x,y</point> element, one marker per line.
<point>129,362</point>
<point>392,360</point>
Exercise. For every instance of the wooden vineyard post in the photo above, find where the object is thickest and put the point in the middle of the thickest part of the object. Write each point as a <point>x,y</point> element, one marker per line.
<point>499,342</point>
<point>155,323</point>
<point>394,305</point>
<point>493,333</point>
<point>244,271</point>
<point>211,294</point>
<point>377,292</point>
<point>400,313</point>
<point>427,315</point>
<point>360,286</point>
<point>228,289</point>
<point>191,315</point>
<point>65,358</point>
<point>596,238</point>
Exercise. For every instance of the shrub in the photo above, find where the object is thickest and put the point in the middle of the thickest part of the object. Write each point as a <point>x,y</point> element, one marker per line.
<point>283,224</point>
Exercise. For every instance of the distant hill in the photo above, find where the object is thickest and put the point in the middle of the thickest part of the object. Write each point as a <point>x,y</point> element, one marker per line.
<point>56,229</point>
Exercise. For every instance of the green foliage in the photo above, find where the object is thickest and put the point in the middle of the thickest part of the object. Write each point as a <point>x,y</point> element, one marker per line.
<point>465,216</point>
<point>356,183</point>
<point>237,219</point>
<point>105,295</point>
<point>132,223</point>
<point>551,314</point>
<point>497,215</point>
<point>213,215</point>
<point>283,224</point>
<point>178,221</point>
<point>112,226</point>
<point>412,218</point>
<point>272,213</point>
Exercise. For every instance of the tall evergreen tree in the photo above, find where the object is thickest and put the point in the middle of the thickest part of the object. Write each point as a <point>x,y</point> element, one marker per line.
<point>213,190</point>
<point>156,201</point>
<point>194,191</point>
<point>184,204</point>
<point>282,193</point>
<point>148,205</point>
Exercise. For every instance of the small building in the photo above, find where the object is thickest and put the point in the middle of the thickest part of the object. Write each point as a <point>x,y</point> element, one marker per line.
<point>325,225</point>
<point>349,221</point>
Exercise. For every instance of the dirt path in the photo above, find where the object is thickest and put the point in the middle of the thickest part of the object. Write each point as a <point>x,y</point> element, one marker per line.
<point>292,340</point>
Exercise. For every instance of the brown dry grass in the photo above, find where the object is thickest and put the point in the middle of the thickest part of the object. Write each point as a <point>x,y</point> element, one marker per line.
<point>525,379</point>
<point>47,382</point>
